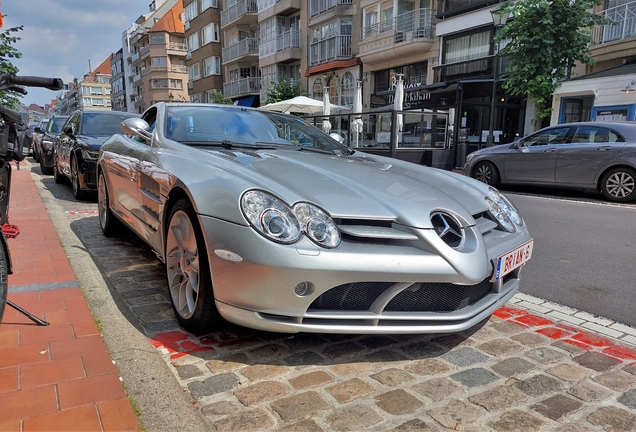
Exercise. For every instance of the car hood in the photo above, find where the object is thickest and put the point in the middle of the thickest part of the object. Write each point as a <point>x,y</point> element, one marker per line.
<point>361,186</point>
<point>95,142</point>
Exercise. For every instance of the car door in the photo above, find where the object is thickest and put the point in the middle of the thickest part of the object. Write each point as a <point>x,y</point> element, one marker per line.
<point>534,160</point>
<point>64,142</point>
<point>591,149</point>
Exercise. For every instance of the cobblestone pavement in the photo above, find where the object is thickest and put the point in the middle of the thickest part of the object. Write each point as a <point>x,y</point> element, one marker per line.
<point>518,371</point>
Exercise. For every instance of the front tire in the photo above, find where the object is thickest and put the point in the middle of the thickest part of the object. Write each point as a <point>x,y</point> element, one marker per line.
<point>111,226</point>
<point>486,172</point>
<point>188,271</point>
<point>4,280</point>
<point>45,170</point>
<point>619,185</point>
<point>57,174</point>
<point>75,182</point>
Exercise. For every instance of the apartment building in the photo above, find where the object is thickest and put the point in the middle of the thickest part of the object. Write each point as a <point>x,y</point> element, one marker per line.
<point>607,90</point>
<point>203,38</point>
<point>118,82</point>
<point>91,92</point>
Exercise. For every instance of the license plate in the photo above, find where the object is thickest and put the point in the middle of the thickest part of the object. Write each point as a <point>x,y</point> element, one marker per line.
<point>514,259</point>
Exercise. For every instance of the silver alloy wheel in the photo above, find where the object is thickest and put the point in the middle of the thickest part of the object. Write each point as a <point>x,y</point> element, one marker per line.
<point>102,201</point>
<point>620,184</point>
<point>182,264</point>
<point>483,173</point>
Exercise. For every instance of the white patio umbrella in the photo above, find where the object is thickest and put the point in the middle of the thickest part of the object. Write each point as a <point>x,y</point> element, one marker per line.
<point>356,123</point>
<point>326,110</point>
<point>398,102</point>
<point>301,104</point>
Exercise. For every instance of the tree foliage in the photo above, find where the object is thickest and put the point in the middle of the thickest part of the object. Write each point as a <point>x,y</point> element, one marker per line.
<point>284,89</point>
<point>546,40</point>
<point>217,97</point>
<point>7,52</point>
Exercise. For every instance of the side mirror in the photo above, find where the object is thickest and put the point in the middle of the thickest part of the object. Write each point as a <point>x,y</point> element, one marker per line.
<point>136,126</point>
<point>38,130</point>
<point>68,130</point>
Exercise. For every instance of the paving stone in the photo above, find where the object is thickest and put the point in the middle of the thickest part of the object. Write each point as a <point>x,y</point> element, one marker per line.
<point>557,406</point>
<point>505,327</point>
<point>383,357</point>
<point>568,372</point>
<point>453,341</point>
<point>596,361</point>
<point>261,392</point>
<point>350,390</point>
<point>628,399</point>
<point>572,427</point>
<point>302,426</point>
<point>353,368</point>
<point>465,356</point>
<point>500,347</point>
<point>343,350</point>
<point>260,372</point>
<point>398,402</point>
<point>375,342</point>
<point>613,419</point>
<point>480,335</point>
<point>617,380</point>
<point>498,398</point>
<point>515,420</point>
<point>475,377</point>
<point>588,391</point>
<point>392,377</point>
<point>303,341</point>
<point>539,385</point>
<point>415,425</point>
<point>353,418</point>
<point>572,349</point>
<point>455,415</point>
<point>544,355</point>
<point>423,349</point>
<point>530,339</point>
<point>252,420</point>
<point>513,366</point>
<point>437,389</point>
<point>304,359</point>
<point>630,369</point>
<point>188,371</point>
<point>213,385</point>
<point>311,379</point>
<point>269,352</point>
<point>299,406</point>
<point>228,363</point>
<point>223,407</point>
<point>428,367</point>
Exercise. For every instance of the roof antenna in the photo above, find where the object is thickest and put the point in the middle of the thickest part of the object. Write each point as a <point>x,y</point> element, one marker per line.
<point>89,67</point>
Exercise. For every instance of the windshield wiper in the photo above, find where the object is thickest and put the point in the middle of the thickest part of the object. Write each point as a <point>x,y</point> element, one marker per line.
<point>316,150</point>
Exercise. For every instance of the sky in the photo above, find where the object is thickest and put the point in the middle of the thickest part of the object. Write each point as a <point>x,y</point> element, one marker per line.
<point>60,37</point>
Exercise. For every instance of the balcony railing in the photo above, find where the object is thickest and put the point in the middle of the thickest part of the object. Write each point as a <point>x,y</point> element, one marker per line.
<point>137,78</point>
<point>178,69</point>
<point>453,7</point>
<point>334,48</point>
<point>174,46</point>
<point>240,9</point>
<point>245,47</point>
<point>144,50</point>
<point>319,6</point>
<point>263,5</point>
<point>623,24</point>
<point>417,23</point>
<point>135,57</point>
<point>242,87</point>
<point>289,39</point>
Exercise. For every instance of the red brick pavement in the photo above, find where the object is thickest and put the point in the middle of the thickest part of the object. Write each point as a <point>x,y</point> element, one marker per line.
<point>59,377</point>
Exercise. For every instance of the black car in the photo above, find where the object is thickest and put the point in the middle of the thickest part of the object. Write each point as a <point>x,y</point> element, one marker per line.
<point>43,144</point>
<point>77,147</point>
<point>38,132</point>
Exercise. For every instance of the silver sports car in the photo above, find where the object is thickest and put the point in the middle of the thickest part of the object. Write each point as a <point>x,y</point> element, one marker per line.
<point>266,221</point>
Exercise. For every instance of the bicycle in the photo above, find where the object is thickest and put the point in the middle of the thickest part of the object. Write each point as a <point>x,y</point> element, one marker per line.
<point>15,144</point>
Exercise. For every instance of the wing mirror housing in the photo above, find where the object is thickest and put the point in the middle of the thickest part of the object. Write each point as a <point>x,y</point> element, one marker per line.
<point>68,130</point>
<point>138,127</point>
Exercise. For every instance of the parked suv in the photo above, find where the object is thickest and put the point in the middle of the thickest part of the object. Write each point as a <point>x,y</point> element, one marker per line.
<point>43,145</point>
<point>77,147</point>
<point>38,132</point>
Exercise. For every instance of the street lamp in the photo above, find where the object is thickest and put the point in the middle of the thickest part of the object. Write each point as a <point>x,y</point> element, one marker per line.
<point>499,19</point>
<point>171,97</point>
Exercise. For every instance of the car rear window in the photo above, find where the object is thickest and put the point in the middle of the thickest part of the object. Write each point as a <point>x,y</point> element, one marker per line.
<point>102,123</point>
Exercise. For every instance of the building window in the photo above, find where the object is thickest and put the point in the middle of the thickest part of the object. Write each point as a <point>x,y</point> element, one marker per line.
<point>159,83</point>
<point>212,66</point>
<point>205,4</point>
<point>347,89</point>
<point>318,90</point>
<point>467,47</point>
<point>268,30</point>
<point>194,72</point>
<point>195,98</point>
<point>191,11</point>
<point>193,42</point>
<point>158,39</point>
<point>176,84</point>
<point>210,33</point>
<point>159,62</point>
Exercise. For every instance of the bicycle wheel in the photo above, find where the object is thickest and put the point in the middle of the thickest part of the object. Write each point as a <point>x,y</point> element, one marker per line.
<point>4,283</point>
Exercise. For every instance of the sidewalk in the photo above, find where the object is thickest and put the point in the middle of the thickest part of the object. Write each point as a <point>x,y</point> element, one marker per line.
<point>58,377</point>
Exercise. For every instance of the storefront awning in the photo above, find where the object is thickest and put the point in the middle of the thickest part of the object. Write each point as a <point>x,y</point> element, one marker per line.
<point>247,101</point>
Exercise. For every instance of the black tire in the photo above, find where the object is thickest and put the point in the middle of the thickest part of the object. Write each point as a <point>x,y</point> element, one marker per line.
<point>193,305</point>
<point>619,184</point>
<point>75,182</point>
<point>5,189</point>
<point>36,154</point>
<point>57,175</point>
<point>486,172</point>
<point>45,170</point>
<point>111,226</point>
<point>4,282</point>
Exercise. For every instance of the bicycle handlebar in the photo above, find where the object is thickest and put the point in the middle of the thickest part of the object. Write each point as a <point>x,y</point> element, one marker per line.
<point>7,81</point>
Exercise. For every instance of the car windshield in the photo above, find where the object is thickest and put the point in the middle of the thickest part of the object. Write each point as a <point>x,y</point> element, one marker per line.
<point>216,124</point>
<point>102,123</point>
<point>56,124</point>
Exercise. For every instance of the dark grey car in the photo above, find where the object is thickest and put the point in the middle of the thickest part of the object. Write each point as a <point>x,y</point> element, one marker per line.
<point>597,156</point>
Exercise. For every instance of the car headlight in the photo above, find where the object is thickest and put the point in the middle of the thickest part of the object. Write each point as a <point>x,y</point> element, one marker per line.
<point>470,157</point>
<point>318,225</point>
<point>47,144</point>
<point>502,210</point>
<point>89,154</point>
<point>271,217</point>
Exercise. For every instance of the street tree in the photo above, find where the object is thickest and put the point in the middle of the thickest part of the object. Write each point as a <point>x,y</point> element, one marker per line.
<point>217,97</point>
<point>7,52</point>
<point>284,89</point>
<point>545,40</point>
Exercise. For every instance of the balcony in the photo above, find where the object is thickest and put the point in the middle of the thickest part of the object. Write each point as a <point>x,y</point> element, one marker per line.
<point>248,46</point>
<point>270,8</point>
<point>243,12</point>
<point>334,48</point>
<point>400,36</point>
<point>317,7</point>
<point>137,78</point>
<point>244,86</point>
<point>144,52</point>
<point>623,24</point>
<point>178,48</point>
<point>178,69</point>
<point>135,57</point>
<point>286,47</point>
<point>449,8</point>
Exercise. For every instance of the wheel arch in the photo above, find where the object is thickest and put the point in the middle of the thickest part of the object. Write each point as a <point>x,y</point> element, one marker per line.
<point>599,180</point>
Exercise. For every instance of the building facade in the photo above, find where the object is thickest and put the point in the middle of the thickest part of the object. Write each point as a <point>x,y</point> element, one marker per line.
<point>118,82</point>
<point>92,91</point>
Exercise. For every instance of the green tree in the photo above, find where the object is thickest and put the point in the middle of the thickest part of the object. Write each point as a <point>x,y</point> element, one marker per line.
<point>217,97</point>
<point>546,40</point>
<point>284,89</point>
<point>8,51</point>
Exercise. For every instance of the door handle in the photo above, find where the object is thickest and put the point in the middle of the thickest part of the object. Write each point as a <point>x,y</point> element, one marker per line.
<point>604,148</point>
<point>549,150</point>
